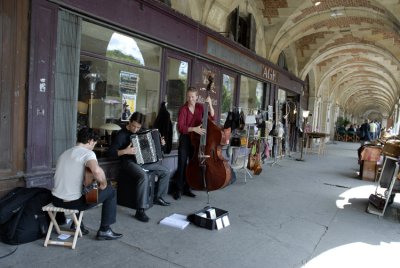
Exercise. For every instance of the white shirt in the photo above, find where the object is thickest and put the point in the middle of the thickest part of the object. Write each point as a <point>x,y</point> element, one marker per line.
<point>70,171</point>
<point>372,127</point>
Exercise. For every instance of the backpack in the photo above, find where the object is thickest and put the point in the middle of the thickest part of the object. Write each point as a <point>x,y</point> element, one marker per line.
<point>21,217</point>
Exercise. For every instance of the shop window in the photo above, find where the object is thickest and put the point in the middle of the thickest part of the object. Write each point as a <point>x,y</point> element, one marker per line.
<point>119,74</point>
<point>227,97</point>
<point>107,43</point>
<point>176,85</point>
<point>251,93</point>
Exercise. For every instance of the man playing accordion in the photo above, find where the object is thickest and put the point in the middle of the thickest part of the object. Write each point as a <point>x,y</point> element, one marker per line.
<point>123,149</point>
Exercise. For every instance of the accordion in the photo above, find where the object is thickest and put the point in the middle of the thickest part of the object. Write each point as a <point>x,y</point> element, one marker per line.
<point>148,146</point>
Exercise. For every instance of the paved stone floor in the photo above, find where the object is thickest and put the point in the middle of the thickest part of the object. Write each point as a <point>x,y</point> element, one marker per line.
<point>295,214</point>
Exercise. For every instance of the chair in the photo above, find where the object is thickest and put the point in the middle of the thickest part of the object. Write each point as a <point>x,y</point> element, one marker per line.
<point>238,159</point>
<point>52,211</point>
<point>341,134</point>
<point>351,136</point>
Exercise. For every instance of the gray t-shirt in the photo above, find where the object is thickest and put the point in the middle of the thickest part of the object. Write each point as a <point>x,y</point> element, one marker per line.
<point>70,172</point>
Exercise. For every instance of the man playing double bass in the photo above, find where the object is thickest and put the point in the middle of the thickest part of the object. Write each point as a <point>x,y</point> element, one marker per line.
<point>189,120</point>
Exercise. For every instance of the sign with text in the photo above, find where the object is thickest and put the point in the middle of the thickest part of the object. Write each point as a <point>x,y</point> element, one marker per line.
<point>269,73</point>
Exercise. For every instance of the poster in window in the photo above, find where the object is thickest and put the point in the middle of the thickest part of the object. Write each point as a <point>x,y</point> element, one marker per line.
<point>208,80</point>
<point>128,82</point>
<point>128,106</point>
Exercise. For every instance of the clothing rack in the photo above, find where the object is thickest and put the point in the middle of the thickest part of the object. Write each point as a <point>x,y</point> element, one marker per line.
<point>249,110</point>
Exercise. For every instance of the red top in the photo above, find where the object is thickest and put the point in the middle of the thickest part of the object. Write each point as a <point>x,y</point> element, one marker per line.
<point>187,119</point>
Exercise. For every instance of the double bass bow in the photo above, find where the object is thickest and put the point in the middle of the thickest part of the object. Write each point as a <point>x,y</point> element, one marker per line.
<point>208,169</point>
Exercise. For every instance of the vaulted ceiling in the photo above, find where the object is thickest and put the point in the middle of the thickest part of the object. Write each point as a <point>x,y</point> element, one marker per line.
<point>350,49</point>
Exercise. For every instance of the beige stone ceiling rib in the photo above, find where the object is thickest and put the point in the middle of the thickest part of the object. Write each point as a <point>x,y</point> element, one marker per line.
<point>350,48</point>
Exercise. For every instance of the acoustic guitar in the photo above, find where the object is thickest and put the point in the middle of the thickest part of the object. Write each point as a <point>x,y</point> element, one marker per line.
<point>90,187</point>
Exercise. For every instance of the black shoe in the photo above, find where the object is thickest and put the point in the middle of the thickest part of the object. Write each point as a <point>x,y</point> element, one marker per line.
<point>141,215</point>
<point>177,195</point>
<point>160,201</point>
<point>107,235</point>
<point>189,193</point>
<point>83,228</point>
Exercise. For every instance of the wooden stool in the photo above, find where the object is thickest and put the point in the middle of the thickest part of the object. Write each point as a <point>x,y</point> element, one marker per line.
<point>52,210</point>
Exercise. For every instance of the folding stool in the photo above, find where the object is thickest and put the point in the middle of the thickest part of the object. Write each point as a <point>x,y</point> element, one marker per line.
<point>52,211</point>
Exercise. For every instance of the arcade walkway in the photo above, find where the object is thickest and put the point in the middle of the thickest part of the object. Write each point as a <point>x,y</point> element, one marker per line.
<point>300,214</point>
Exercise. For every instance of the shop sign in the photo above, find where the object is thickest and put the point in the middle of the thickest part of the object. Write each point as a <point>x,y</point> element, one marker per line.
<point>269,73</point>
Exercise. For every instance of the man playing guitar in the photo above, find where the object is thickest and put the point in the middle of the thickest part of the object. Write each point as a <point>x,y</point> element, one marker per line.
<point>68,179</point>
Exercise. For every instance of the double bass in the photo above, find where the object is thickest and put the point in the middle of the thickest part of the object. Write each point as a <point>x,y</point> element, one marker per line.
<point>208,169</point>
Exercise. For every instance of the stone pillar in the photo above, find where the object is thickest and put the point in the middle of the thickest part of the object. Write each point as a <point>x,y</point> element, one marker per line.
<point>396,120</point>
<point>325,116</point>
<point>317,115</point>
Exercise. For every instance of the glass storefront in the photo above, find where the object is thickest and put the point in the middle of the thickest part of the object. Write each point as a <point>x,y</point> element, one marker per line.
<point>251,93</point>
<point>119,74</point>
<point>227,96</point>
<point>176,85</point>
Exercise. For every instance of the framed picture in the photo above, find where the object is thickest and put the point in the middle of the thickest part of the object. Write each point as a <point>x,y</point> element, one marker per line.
<point>128,106</point>
<point>128,82</point>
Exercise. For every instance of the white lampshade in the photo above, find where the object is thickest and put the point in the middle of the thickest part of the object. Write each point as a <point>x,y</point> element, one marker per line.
<point>305,113</point>
<point>82,107</point>
<point>110,127</point>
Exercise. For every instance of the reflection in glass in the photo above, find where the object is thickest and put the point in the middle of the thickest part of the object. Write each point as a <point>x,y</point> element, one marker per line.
<point>129,78</point>
<point>107,43</point>
<point>111,93</point>
<point>228,89</point>
<point>177,79</point>
<point>251,93</point>
<point>125,48</point>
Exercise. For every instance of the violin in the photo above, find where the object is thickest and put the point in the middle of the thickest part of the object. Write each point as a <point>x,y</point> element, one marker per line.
<point>208,169</point>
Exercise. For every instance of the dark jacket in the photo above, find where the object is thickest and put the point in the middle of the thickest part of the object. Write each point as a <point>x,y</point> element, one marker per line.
<point>164,125</point>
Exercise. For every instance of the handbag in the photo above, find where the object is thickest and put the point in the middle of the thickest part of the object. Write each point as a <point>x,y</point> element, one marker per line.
<point>243,141</point>
<point>377,201</point>
<point>235,141</point>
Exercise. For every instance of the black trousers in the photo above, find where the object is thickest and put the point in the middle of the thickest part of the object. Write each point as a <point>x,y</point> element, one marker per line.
<point>108,211</point>
<point>185,152</point>
<point>140,177</point>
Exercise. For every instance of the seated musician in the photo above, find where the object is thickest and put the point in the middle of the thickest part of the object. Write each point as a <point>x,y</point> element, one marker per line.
<point>68,180</point>
<point>122,148</point>
<point>189,120</point>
